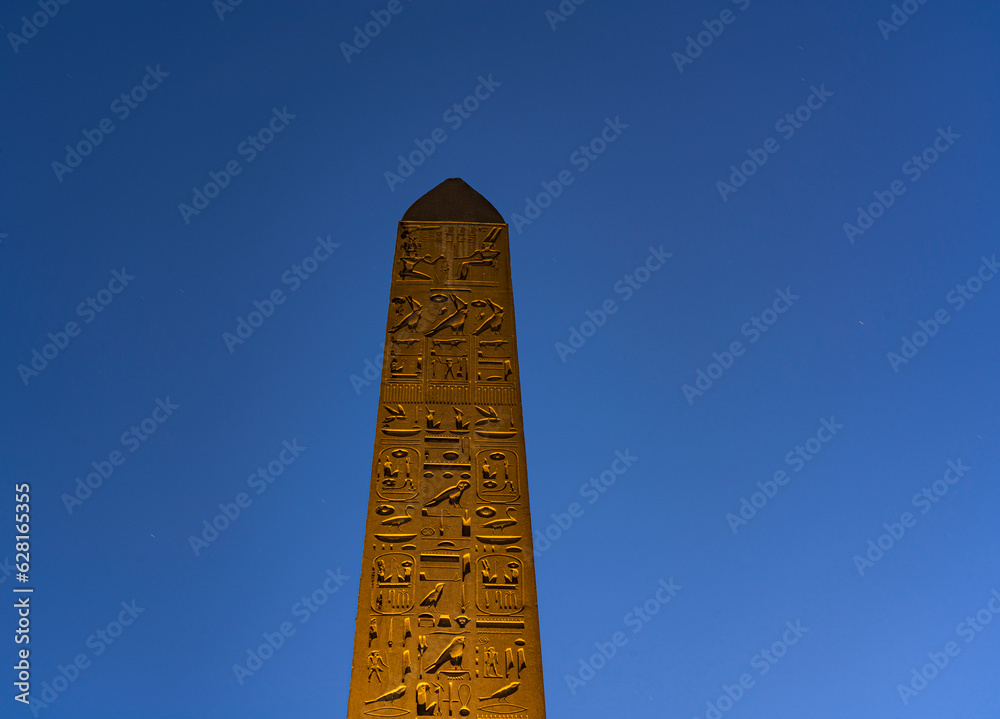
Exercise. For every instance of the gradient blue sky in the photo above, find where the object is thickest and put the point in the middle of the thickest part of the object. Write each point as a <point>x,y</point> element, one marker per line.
<point>881,95</point>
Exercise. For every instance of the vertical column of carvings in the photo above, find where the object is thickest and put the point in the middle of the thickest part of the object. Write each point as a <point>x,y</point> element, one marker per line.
<point>447,620</point>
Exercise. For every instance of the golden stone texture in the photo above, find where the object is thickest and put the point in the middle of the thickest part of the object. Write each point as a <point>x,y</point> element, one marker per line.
<point>447,621</point>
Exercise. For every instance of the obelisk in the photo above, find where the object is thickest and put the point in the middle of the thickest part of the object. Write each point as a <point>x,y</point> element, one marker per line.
<point>447,621</point>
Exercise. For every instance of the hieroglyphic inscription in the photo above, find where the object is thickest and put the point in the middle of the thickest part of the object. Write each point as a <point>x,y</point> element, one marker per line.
<point>447,620</point>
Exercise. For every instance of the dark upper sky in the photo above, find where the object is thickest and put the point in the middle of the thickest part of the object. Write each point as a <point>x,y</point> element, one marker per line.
<point>754,252</point>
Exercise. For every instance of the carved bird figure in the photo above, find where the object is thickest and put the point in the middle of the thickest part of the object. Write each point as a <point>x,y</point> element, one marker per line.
<point>503,692</point>
<point>452,653</point>
<point>403,519</point>
<point>389,696</point>
<point>494,320</point>
<point>453,494</point>
<point>501,522</point>
<point>432,598</point>
<point>456,320</point>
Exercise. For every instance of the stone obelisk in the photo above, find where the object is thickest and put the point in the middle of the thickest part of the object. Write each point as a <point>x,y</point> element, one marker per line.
<point>447,621</point>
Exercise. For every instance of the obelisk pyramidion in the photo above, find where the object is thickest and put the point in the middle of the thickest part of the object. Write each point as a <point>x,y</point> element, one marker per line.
<point>447,621</point>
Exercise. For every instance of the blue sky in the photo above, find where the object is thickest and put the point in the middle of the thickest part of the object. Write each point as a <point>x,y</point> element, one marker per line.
<point>754,251</point>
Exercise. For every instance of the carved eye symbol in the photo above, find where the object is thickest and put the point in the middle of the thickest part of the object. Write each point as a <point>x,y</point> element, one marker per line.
<point>384,510</point>
<point>486,512</point>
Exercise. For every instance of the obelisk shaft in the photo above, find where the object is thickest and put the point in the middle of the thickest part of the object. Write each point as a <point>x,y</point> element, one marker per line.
<point>447,621</point>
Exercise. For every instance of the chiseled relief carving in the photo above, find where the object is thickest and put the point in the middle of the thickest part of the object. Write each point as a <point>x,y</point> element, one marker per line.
<point>448,626</point>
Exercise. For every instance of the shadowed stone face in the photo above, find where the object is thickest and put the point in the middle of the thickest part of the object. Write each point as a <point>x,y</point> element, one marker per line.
<point>447,621</point>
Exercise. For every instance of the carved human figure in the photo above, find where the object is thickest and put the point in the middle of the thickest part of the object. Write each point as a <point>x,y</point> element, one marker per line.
<point>485,256</point>
<point>410,259</point>
<point>426,707</point>
<point>508,483</point>
<point>493,663</point>
<point>376,666</point>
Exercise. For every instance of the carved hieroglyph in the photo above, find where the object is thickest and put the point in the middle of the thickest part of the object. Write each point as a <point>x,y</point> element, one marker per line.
<point>447,621</point>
